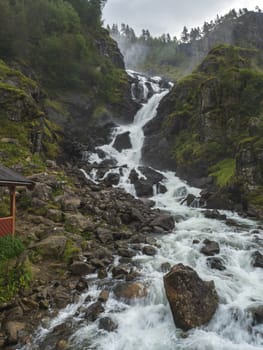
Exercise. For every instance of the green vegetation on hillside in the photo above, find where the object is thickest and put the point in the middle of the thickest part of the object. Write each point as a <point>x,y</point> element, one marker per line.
<point>14,275</point>
<point>213,119</point>
<point>55,58</point>
<point>60,41</point>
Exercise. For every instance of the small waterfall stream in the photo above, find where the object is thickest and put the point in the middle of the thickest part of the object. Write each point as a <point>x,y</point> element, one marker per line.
<point>147,324</point>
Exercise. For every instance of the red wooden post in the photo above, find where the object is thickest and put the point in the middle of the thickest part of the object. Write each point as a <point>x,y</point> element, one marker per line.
<point>12,190</point>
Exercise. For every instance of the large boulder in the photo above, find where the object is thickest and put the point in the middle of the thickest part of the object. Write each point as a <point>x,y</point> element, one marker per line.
<point>122,141</point>
<point>165,221</point>
<point>257,259</point>
<point>52,246</point>
<point>144,184</point>
<point>210,247</point>
<point>193,301</point>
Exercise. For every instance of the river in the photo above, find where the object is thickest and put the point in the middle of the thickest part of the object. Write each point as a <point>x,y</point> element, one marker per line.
<point>147,324</point>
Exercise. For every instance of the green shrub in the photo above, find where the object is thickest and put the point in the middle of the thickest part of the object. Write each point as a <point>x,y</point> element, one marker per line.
<point>10,247</point>
<point>14,276</point>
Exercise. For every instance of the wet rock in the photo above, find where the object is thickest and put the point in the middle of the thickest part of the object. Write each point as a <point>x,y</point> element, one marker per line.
<point>181,192</point>
<point>93,311</point>
<point>143,188</point>
<point>80,268</point>
<point>62,344</point>
<point>151,241</point>
<point>153,176</point>
<point>164,221</point>
<point>112,179</point>
<point>161,188</point>
<point>210,247</point>
<point>257,259</point>
<point>102,273</point>
<point>130,290</point>
<point>216,263</point>
<point>107,324</point>
<point>165,267</point>
<point>104,296</point>
<point>217,201</point>
<point>193,302</point>
<point>257,314</point>
<point>214,214</point>
<point>149,250</point>
<point>122,141</point>
<point>120,270</point>
<point>126,253</point>
<point>132,275</point>
<point>189,200</point>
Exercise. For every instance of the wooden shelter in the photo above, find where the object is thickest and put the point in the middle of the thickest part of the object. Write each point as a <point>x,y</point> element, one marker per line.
<point>11,179</point>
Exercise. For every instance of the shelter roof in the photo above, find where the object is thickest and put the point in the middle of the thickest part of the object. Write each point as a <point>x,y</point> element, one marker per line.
<point>9,177</point>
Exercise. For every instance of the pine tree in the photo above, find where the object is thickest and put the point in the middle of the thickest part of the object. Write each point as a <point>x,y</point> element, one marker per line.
<point>185,35</point>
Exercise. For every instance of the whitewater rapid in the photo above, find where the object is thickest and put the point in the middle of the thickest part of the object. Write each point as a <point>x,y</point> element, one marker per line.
<point>147,324</point>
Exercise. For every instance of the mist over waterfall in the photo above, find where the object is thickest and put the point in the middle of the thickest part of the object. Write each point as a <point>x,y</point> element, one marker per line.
<point>147,323</point>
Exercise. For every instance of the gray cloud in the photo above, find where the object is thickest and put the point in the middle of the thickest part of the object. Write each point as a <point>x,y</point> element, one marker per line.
<point>163,16</point>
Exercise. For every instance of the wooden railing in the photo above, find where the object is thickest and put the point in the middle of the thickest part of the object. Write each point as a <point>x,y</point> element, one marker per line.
<point>6,226</point>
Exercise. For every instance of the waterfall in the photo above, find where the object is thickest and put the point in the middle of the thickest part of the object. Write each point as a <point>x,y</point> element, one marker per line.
<point>148,324</point>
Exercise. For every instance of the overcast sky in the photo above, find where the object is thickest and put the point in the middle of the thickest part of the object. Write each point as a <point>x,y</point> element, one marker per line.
<point>169,16</point>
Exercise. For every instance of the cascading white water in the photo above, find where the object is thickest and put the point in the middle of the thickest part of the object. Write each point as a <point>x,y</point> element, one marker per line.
<point>147,324</point>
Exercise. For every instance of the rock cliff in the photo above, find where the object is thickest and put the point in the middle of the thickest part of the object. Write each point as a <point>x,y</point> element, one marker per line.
<point>210,126</point>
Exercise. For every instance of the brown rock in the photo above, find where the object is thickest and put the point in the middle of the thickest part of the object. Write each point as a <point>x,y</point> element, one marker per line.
<point>12,329</point>
<point>104,296</point>
<point>149,250</point>
<point>93,311</point>
<point>62,344</point>
<point>130,290</point>
<point>80,268</point>
<point>210,247</point>
<point>193,302</point>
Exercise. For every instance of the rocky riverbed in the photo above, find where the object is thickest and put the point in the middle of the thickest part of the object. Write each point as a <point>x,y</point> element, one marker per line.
<point>73,227</point>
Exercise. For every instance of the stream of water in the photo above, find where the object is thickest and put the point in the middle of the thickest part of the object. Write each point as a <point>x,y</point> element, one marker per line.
<point>147,324</point>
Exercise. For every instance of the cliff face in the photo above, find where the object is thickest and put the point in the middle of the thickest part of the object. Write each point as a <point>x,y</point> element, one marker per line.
<point>39,123</point>
<point>25,130</point>
<point>211,125</point>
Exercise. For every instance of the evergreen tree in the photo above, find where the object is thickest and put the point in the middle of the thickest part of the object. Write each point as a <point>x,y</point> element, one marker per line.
<point>185,35</point>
